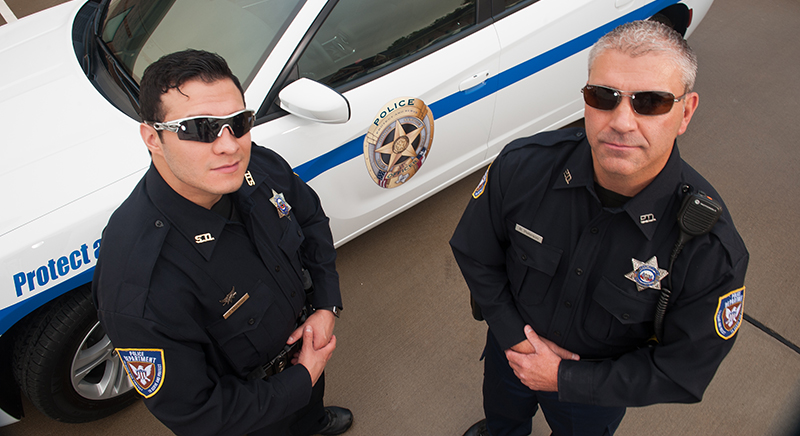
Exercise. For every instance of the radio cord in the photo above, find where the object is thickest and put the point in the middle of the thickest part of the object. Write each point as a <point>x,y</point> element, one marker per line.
<point>661,307</point>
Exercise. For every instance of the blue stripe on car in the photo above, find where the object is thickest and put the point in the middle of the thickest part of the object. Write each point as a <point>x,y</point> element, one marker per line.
<point>10,315</point>
<point>458,100</point>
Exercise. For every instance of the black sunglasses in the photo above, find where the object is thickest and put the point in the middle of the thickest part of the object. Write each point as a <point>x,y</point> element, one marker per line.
<point>643,102</point>
<point>206,128</point>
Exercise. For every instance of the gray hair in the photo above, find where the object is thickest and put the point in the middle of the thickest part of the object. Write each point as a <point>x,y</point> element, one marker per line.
<point>639,38</point>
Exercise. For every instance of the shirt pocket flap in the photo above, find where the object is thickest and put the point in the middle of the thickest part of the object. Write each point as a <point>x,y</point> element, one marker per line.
<point>291,239</point>
<point>627,306</point>
<point>243,319</point>
<point>536,255</point>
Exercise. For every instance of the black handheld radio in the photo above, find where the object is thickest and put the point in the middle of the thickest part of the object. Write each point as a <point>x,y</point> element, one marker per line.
<point>697,216</point>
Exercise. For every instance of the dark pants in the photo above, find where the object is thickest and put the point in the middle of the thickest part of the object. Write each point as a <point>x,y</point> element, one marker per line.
<point>305,422</point>
<point>509,405</point>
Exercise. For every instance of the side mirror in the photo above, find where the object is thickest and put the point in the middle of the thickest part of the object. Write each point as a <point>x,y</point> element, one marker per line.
<point>314,101</point>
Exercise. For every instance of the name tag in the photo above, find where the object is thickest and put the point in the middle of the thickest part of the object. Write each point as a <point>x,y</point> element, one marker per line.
<point>529,233</point>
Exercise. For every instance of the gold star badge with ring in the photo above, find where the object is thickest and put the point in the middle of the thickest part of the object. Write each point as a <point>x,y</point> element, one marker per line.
<point>280,204</point>
<point>646,274</point>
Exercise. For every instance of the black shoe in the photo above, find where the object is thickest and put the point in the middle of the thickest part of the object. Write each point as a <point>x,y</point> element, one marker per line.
<point>478,429</point>
<point>339,421</point>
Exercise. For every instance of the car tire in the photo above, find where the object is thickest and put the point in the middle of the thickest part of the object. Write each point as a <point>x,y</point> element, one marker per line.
<point>65,364</point>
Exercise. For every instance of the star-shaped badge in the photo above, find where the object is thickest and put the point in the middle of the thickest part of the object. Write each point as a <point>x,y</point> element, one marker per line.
<point>280,204</point>
<point>646,274</point>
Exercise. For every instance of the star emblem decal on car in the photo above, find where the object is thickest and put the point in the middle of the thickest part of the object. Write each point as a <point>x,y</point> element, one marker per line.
<point>402,146</point>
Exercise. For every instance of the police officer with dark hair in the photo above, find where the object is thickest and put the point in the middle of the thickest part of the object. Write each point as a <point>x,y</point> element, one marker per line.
<point>569,244</point>
<point>202,280</point>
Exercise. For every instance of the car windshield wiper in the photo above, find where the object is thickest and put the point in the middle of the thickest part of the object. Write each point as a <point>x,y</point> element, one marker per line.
<point>120,75</point>
<point>115,68</point>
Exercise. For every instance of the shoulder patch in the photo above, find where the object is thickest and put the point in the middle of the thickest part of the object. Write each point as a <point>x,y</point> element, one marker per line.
<point>482,185</point>
<point>145,368</point>
<point>730,311</point>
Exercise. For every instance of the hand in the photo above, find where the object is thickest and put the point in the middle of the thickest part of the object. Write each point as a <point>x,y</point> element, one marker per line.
<point>322,322</point>
<point>525,347</point>
<point>538,370</point>
<point>312,359</point>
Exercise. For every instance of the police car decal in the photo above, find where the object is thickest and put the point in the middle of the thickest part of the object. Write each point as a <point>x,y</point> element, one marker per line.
<point>729,313</point>
<point>482,184</point>
<point>398,141</point>
<point>55,269</point>
<point>145,368</point>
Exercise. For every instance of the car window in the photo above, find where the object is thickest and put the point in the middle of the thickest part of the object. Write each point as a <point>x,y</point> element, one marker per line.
<point>511,3</point>
<point>362,36</point>
<point>503,7</point>
<point>139,32</point>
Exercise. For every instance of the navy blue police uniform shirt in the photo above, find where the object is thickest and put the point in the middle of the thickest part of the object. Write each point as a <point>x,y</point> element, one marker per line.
<point>193,302</point>
<point>537,247</point>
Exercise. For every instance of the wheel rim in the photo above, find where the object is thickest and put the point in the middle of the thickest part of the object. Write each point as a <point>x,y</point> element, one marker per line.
<point>97,373</point>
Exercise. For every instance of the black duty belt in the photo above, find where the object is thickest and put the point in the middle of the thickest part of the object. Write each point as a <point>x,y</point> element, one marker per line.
<point>280,362</point>
<point>284,359</point>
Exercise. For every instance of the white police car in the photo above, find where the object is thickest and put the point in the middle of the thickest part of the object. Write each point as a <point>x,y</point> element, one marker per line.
<point>377,104</point>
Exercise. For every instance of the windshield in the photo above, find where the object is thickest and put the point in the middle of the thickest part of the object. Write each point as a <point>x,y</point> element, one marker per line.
<point>139,32</point>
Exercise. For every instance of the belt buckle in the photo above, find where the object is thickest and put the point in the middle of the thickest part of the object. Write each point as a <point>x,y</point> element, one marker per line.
<point>281,363</point>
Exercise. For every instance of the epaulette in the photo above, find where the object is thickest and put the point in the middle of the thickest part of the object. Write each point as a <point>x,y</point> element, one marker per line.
<point>549,138</point>
<point>132,263</point>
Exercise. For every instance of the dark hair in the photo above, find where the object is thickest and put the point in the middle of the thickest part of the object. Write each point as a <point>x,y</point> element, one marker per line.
<point>175,69</point>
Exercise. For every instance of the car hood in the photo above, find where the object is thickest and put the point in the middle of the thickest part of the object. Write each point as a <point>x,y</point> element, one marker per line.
<point>61,139</point>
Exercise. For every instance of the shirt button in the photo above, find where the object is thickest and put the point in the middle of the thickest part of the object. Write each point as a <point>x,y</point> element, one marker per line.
<point>557,333</point>
<point>524,257</point>
<point>595,230</point>
<point>567,304</point>
<point>626,316</point>
<point>251,321</point>
<point>578,271</point>
<point>159,224</point>
<point>277,268</point>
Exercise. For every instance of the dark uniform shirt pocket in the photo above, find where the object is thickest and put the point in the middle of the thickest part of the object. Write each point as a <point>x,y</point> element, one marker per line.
<point>253,331</point>
<point>621,316</point>
<point>290,243</point>
<point>532,268</point>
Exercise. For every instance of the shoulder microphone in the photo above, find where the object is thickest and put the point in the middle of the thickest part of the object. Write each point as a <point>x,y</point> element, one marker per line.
<point>697,216</point>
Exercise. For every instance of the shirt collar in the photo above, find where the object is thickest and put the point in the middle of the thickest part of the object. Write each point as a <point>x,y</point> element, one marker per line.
<point>648,207</point>
<point>199,225</point>
<point>577,172</point>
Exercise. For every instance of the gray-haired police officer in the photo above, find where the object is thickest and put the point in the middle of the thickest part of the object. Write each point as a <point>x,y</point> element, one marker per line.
<point>200,280</point>
<point>565,248</point>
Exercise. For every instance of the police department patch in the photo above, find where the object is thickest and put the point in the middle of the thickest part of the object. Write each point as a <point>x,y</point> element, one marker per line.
<point>145,368</point>
<point>730,311</point>
<point>398,141</point>
<point>482,185</point>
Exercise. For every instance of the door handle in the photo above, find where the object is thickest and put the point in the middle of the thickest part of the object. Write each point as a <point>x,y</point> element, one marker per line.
<point>474,81</point>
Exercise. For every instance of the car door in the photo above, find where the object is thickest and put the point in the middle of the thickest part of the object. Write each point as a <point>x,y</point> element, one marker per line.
<point>545,47</point>
<point>413,74</point>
